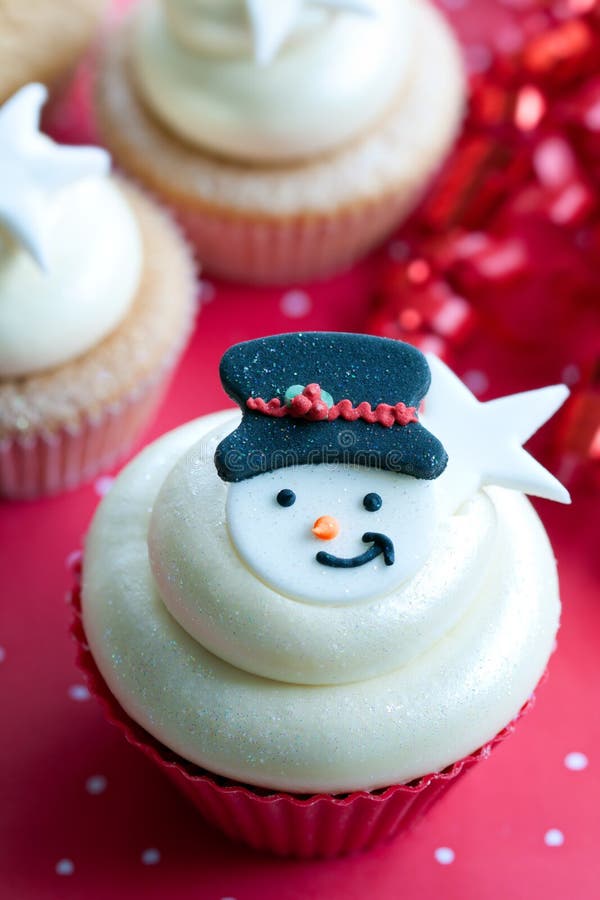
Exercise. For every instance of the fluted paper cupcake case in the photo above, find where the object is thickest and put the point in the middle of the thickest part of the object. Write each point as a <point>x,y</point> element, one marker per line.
<point>318,826</point>
<point>297,249</point>
<point>48,462</point>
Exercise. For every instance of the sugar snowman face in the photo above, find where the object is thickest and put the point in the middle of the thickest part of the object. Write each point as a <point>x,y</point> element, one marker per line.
<point>332,533</point>
<point>336,487</point>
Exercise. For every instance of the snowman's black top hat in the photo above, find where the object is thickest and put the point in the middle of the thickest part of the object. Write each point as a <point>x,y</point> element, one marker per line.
<point>318,397</point>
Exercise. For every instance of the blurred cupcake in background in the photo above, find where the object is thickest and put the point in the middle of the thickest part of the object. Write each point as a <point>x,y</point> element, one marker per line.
<point>289,138</point>
<point>42,40</point>
<point>97,295</point>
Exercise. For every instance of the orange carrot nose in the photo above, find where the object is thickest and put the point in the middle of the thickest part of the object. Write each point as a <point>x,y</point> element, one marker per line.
<point>326,528</point>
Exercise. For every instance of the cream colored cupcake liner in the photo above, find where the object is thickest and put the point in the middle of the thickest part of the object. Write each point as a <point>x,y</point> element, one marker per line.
<point>49,462</point>
<point>294,250</point>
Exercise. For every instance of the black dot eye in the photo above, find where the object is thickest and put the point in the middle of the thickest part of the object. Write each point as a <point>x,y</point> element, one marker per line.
<point>372,502</point>
<point>286,497</point>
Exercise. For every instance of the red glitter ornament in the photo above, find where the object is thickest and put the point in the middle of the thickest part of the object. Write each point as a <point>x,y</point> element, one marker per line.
<point>505,247</point>
<point>577,440</point>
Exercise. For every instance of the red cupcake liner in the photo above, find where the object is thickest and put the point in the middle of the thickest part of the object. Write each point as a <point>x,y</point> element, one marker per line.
<point>319,826</point>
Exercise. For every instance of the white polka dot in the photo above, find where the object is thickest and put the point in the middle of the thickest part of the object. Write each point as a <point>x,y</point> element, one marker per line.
<point>576,761</point>
<point>295,304</point>
<point>207,292</point>
<point>78,692</point>
<point>554,838</point>
<point>571,374</point>
<point>478,58</point>
<point>72,559</point>
<point>64,867</point>
<point>2,654</point>
<point>150,856</point>
<point>103,485</point>
<point>444,855</point>
<point>476,381</point>
<point>96,784</point>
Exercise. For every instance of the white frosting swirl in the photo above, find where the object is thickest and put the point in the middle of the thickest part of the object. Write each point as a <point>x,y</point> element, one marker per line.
<point>94,261</point>
<point>260,629</point>
<point>337,76</point>
<point>410,682</point>
<point>218,28</point>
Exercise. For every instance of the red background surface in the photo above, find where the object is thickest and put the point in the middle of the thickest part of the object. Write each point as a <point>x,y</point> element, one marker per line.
<point>54,819</point>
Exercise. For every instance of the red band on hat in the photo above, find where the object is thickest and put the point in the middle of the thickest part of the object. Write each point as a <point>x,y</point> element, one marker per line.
<point>309,405</point>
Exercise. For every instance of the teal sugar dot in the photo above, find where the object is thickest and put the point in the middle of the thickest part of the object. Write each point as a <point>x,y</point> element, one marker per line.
<point>327,399</point>
<point>292,392</point>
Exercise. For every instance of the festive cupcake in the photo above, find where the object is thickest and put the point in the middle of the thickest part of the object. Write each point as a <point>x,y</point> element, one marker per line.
<point>289,137</point>
<point>42,40</point>
<point>315,618</point>
<point>96,303</point>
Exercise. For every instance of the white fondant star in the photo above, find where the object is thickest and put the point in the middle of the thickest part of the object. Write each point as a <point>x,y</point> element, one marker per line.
<point>483,440</point>
<point>273,21</point>
<point>33,168</point>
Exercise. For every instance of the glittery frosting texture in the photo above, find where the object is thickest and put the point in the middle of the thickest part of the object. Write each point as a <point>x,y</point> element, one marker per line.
<point>358,368</point>
<point>313,826</point>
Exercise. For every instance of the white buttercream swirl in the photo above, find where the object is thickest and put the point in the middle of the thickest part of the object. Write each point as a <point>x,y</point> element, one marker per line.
<point>94,261</point>
<point>269,633</point>
<point>213,27</point>
<point>338,75</point>
<point>409,682</point>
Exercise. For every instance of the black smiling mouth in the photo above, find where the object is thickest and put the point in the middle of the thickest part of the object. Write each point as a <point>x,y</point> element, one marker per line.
<point>381,544</point>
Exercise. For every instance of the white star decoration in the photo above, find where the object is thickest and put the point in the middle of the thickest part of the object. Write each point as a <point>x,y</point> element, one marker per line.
<point>273,21</point>
<point>33,168</point>
<point>483,440</point>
